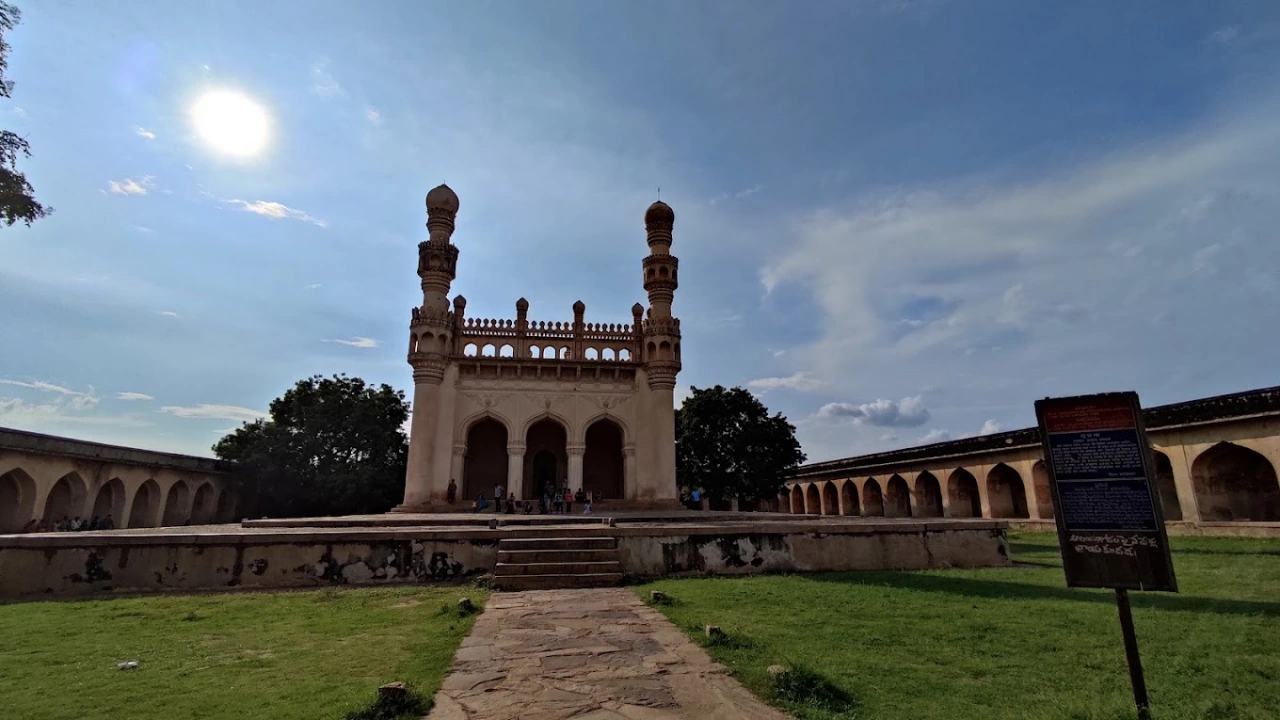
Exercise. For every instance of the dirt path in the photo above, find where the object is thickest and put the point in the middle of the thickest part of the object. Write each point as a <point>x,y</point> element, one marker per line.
<point>588,655</point>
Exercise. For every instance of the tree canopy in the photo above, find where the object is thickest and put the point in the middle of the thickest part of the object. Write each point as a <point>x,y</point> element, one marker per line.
<point>729,445</point>
<point>331,446</point>
<point>17,197</point>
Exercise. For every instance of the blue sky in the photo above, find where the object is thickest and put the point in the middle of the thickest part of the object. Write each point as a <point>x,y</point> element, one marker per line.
<point>897,221</point>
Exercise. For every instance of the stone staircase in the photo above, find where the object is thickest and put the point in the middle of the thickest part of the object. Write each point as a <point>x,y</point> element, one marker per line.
<point>544,563</point>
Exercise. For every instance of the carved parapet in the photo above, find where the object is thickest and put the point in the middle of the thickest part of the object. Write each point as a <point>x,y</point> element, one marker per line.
<point>419,318</point>
<point>437,258</point>
<point>662,326</point>
<point>661,273</point>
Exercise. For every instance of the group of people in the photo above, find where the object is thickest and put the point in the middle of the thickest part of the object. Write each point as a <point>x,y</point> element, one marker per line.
<point>553,501</point>
<point>70,524</point>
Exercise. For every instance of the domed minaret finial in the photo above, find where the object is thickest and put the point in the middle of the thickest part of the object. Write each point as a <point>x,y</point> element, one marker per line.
<point>661,268</point>
<point>442,209</point>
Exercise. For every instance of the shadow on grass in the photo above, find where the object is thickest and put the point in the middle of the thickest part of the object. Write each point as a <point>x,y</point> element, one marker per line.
<point>998,589</point>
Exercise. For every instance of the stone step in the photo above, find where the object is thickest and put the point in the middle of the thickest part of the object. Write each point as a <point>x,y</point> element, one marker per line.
<point>558,543</point>
<point>552,582</point>
<point>544,556</point>
<point>558,568</point>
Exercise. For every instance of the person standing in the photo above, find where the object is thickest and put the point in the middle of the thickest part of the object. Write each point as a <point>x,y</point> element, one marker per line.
<point>497,498</point>
<point>451,495</point>
<point>568,500</point>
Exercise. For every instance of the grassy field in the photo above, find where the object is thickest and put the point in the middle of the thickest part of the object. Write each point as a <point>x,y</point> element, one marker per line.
<point>312,655</point>
<point>1009,643</point>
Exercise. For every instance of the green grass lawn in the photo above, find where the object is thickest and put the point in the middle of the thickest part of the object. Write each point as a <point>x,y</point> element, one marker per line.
<point>313,655</point>
<point>1007,642</point>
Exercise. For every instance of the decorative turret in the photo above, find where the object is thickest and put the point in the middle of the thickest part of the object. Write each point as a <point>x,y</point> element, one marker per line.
<point>437,267</point>
<point>661,330</point>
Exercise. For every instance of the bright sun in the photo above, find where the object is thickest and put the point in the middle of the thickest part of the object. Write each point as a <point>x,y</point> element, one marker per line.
<point>231,123</point>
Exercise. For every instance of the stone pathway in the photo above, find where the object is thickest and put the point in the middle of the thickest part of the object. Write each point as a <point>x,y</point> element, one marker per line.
<point>589,655</point>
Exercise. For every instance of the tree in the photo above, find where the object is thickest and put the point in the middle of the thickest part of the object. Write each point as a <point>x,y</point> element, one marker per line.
<point>729,445</point>
<point>331,446</point>
<point>17,197</point>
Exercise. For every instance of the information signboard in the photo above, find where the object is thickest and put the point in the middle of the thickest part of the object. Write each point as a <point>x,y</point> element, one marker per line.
<point>1110,526</point>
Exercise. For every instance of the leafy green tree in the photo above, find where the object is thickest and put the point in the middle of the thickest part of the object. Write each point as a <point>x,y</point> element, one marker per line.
<point>17,197</point>
<point>331,446</point>
<point>729,445</point>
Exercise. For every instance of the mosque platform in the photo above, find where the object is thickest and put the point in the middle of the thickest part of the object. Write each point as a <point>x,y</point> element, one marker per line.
<point>454,547</point>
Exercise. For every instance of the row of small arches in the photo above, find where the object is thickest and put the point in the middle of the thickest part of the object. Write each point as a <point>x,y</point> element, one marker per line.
<point>548,352</point>
<point>182,503</point>
<point>1229,482</point>
<point>500,324</point>
<point>660,272</point>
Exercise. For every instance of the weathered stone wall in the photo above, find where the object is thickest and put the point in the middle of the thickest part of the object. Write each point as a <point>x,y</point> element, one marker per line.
<point>86,564</point>
<point>908,546</point>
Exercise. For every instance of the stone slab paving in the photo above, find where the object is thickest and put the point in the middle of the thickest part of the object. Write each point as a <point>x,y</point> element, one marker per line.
<point>588,655</point>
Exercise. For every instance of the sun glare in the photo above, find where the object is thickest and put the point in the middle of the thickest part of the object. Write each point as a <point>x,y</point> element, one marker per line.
<point>231,123</point>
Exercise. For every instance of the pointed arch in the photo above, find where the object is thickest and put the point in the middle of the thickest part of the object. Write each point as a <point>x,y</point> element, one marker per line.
<point>602,461</point>
<point>546,458</point>
<point>176,507</point>
<point>487,413</point>
<point>812,500</point>
<point>144,511</point>
<point>606,415</point>
<point>65,499</point>
<point>1234,483</point>
<point>544,415</point>
<point>928,495</point>
<point>203,507</point>
<point>225,508</point>
<point>830,499</point>
<point>1166,487</point>
<point>484,467</point>
<point>17,500</point>
<point>110,502</point>
<point>1044,493</point>
<point>849,498</point>
<point>963,500</point>
<point>872,499</point>
<point>797,500</point>
<point>1006,493</point>
<point>897,497</point>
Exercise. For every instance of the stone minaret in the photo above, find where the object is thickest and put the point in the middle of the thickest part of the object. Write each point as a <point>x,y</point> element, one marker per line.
<point>661,337</point>
<point>432,330</point>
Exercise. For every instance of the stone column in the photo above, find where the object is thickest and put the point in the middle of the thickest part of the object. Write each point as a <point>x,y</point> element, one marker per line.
<point>629,470</point>
<point>457,466</point>
<point>515,469</point>
<point>422,435</point>
<point>576,451</point>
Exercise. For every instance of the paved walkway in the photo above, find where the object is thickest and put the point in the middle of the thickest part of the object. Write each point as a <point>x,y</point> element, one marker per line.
<point>587,655</point>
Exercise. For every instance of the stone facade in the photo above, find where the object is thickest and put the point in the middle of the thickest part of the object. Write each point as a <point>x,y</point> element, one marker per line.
<point>1216,462</point>
<point>43,477</point>
<point>520,403</point>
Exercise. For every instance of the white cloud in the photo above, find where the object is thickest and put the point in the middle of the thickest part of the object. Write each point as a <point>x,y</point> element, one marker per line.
<point>373,116</point>
<point>19,112</point>
<point>739,195</point>
<point>205,411</point>
<point>167,313</point>
<point>801,381</point>
<point>277,211</point>
<point>145,133</point>
<point>50,416</point>
<point>74,399</point>
<point>143,229</point>
<point>359,342</point>
<point>934,436</point>
<point>128,186</point>
<point>1225,35</point>
<point>133,396</point>
<point>313,286</point>
<point>908,412</point>
<point>989,427</point>
<point>322,81</point>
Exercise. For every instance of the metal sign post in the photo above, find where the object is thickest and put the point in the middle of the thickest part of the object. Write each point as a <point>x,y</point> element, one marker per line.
<point>1110,525</point>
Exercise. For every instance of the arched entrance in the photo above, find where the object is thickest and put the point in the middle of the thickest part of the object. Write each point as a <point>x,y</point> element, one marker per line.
<point>146,505</point>
<point>1166,487</point>
<point>797,500</point>
<point>65,500</point>
<point>485,465</point>
<point>202,507</point>
<point>225,509</point>
<point>830,499</point>
<point>110,502</point>
<point>1044,494</point>
<point>602,463</point>
<point>175,504</point>
<point>17,500</point>
<point>872,499</point>
<point>849,499</point>
<point>546,458</point>
<point>1006,493</point>
<point>962,494</point>
<point>897,498</point>
<point>812,502</point>
<point>1235,483</point>
<point>928,495</point>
